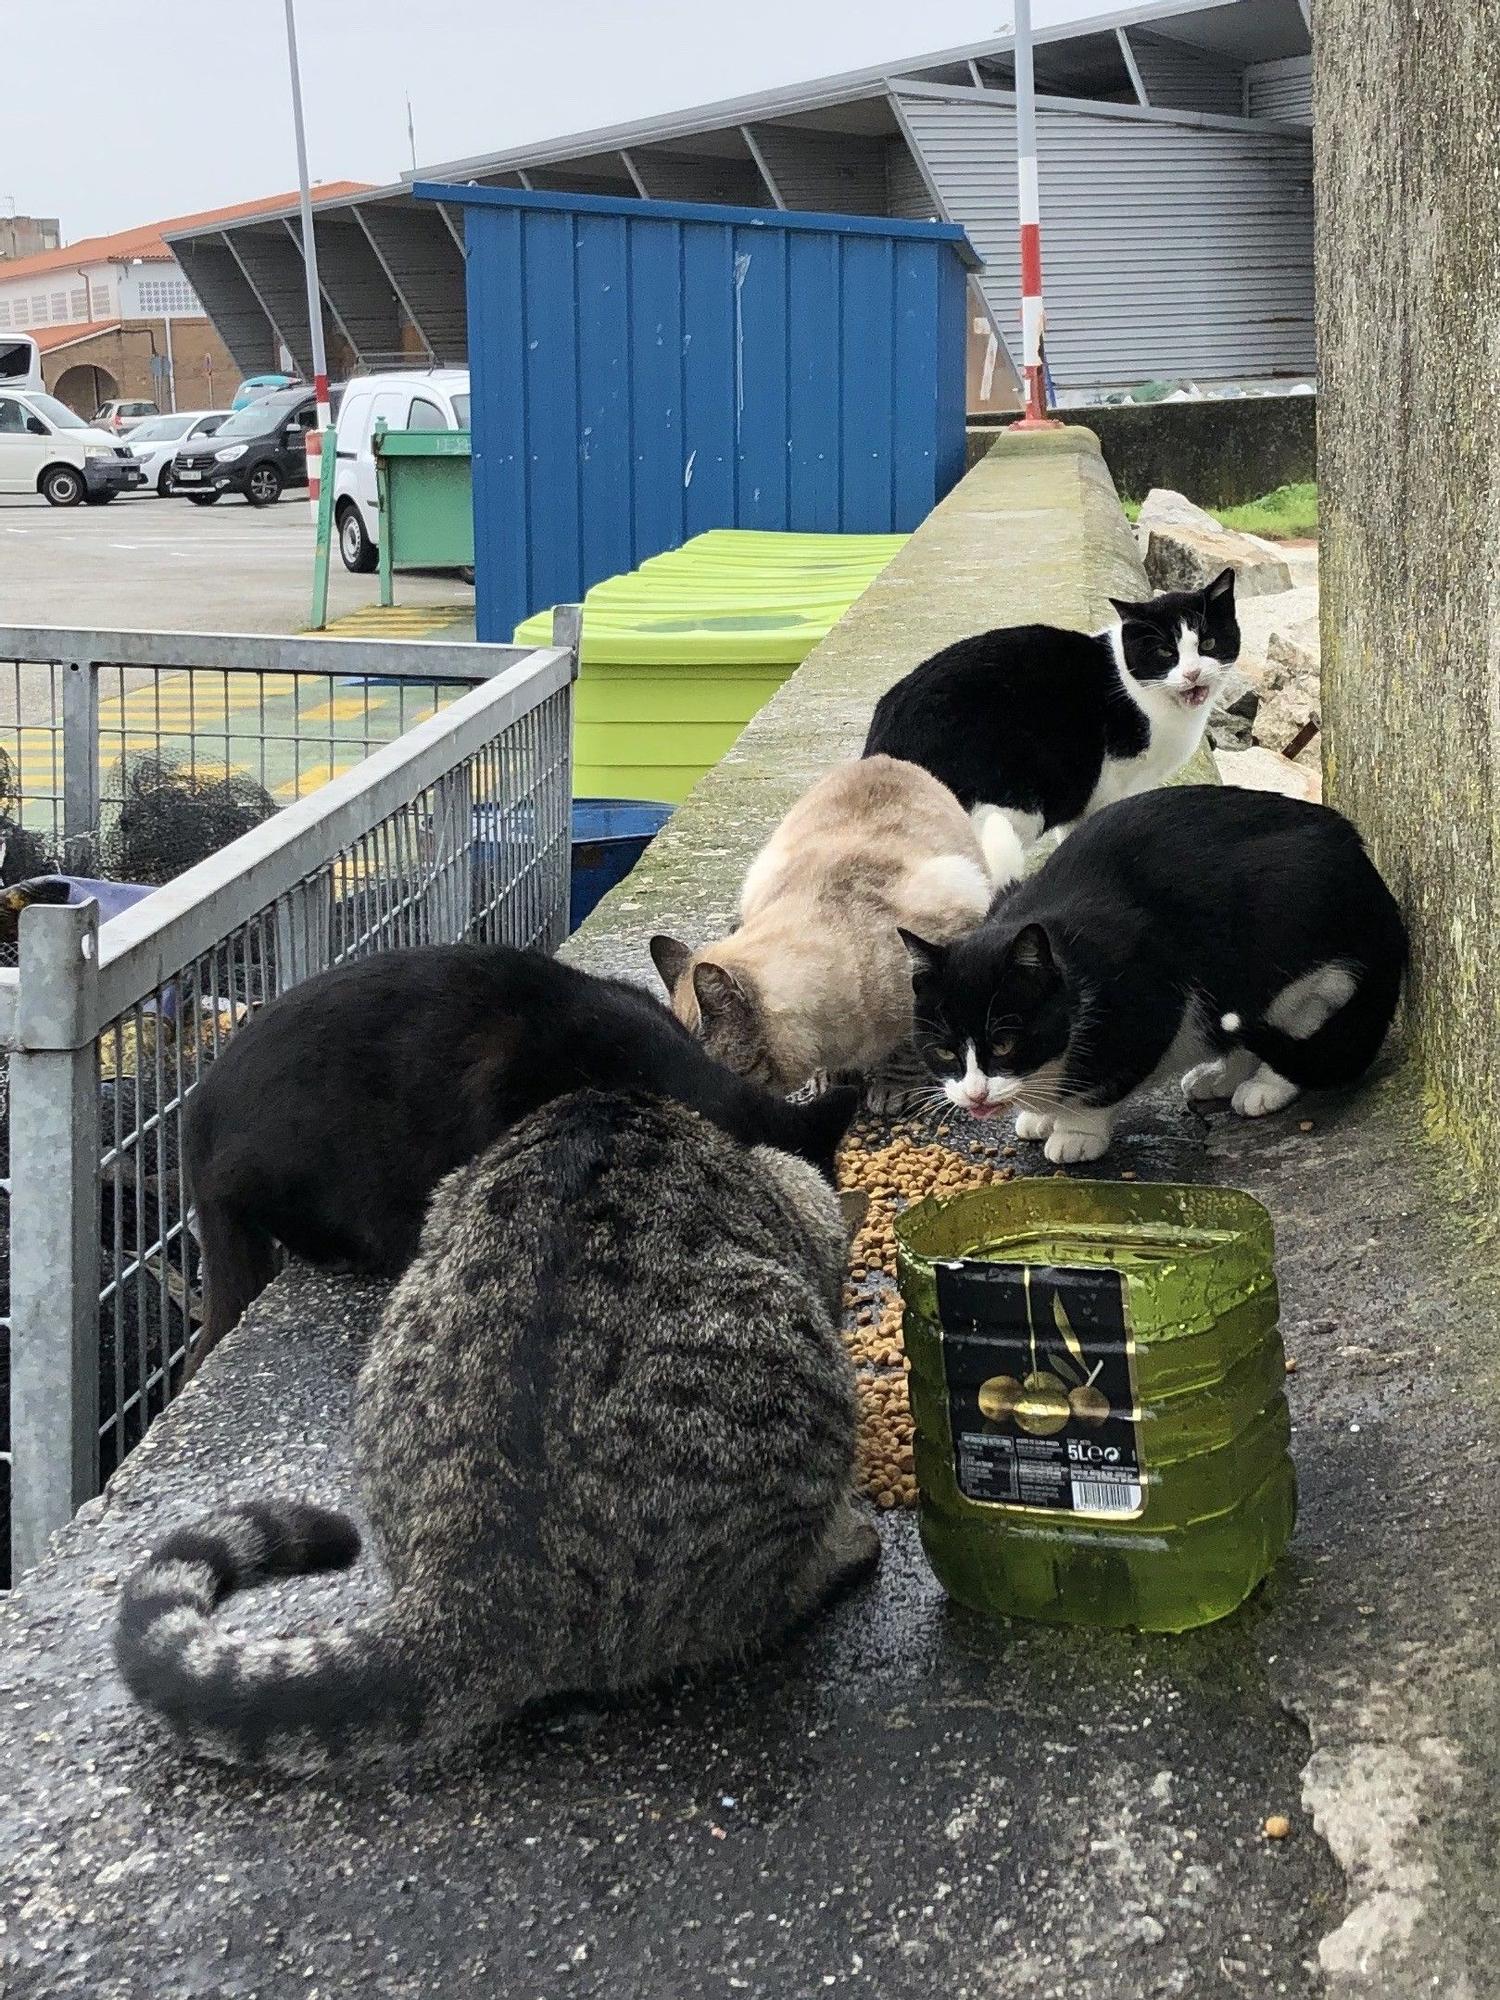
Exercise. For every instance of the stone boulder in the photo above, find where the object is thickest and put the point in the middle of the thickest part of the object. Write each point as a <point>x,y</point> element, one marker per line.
<point>1162,508</point>
<point>1294,651</point>
<point>1186,558</point>
<point>1262,770</point>
<point>1290,718</point>
<point>1291,691</point>
<point>1232,723</point>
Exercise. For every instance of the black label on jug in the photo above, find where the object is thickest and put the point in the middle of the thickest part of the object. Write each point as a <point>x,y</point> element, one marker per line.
<point>1041,1387</point>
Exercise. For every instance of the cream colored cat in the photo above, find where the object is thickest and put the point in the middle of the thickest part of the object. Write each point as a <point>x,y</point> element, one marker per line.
<point>815,979</point>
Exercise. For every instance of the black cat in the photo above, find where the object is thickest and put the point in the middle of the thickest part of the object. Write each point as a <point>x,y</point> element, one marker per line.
<point>1033,727</point>
<point>1240,937</point>
<point>328,1120</point>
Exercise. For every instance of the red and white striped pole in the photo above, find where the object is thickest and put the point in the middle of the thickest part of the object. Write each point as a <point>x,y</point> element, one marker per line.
<point>1036,417</point>
<point>310,266</point>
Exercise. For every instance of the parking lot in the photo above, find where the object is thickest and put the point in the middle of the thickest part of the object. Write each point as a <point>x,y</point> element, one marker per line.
<point>166,564</point>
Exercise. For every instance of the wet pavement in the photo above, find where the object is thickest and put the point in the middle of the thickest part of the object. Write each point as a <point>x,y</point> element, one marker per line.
<point>910,1800</point>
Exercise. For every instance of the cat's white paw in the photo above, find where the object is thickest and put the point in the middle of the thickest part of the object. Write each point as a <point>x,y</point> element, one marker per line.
<point>1034,1124</point>
<point>1221,1077</point>
<point>1071,1143</point>
<point>1264,1093</point>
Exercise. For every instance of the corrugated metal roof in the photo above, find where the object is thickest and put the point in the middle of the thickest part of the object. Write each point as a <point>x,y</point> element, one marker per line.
<point>1246,31</point>
<point>148,242</point>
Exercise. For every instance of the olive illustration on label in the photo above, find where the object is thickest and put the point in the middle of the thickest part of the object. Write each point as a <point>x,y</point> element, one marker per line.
<point>1043,1408</point>
<point>998,1398</point>
<point>1089,1405</point>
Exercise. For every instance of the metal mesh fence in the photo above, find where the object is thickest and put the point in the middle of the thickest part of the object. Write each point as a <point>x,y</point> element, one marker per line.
<point>286,733</point>
<point>482,854</point>
<point>463,835</point>
<point>31,767</point>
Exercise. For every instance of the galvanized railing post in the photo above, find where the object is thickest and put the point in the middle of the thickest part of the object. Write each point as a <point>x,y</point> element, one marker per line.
<point>567,630</point>
<point>80,716</point>
<point>54,1226</point>
<point>456,793</point>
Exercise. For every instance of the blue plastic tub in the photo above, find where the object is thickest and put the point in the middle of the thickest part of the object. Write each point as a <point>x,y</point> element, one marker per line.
<point>609,837</point>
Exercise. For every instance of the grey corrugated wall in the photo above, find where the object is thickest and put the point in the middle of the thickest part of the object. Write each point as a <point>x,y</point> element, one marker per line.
<point>679,177</point>
<point>1177,78</point>
<point>1166,249</point>
<point>906,193</point>
<point>1280,90</point>
<point>843,176</point>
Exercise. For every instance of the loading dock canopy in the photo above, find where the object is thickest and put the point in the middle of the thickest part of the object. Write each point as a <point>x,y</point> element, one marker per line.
<point>1176,164</point>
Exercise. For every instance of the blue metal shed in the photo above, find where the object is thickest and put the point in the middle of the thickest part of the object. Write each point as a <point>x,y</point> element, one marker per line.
<point>644,370</point>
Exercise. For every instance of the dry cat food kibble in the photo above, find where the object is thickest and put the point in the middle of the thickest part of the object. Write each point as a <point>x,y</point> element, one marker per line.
<point>894,1175</point>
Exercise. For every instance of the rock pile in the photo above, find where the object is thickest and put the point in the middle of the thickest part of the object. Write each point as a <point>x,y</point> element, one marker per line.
<point>1185,547</point>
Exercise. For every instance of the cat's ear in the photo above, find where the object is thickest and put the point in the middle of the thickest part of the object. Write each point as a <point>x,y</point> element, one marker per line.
<point>926,959</point>
<point>1032,950</point>
<point>670,957</point>
<point>1219,595</point>
<point>855,1202</point>
<point>718,991</point>
<point>1128,614</point>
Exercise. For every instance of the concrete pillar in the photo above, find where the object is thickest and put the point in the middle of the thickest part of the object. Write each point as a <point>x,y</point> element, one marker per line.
<point>1408,286</point>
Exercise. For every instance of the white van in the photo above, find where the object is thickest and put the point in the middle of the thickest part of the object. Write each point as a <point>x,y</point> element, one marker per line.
<point>45,448</point>
<point>432,401</point>
<point>20,363</point>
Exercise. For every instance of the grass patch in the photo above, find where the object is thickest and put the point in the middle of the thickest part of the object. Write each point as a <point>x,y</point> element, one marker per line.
<point>1288,514</point>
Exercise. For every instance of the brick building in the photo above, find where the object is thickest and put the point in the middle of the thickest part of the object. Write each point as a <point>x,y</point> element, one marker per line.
<point>115,315</point>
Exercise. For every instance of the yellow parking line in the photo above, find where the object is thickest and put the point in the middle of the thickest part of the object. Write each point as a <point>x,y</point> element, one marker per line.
<point>311,778</point>
<point>340,708</point>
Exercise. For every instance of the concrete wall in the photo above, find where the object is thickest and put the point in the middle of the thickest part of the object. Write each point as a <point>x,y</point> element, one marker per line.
<point>1220,452</point>
<point>1409,361</point>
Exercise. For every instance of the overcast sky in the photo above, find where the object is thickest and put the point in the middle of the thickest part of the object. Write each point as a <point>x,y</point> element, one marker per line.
<point>118,112</point>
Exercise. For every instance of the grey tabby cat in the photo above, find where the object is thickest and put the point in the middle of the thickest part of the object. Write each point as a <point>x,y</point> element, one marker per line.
<point>605,1430</point>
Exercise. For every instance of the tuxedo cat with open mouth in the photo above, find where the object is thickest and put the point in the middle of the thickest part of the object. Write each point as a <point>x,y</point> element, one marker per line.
<point>1239,940</point>
<point>1033,727</point>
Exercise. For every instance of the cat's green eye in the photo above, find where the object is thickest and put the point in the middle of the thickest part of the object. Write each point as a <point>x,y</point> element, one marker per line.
<point>945,1055</point>
<point>1003,1047</point>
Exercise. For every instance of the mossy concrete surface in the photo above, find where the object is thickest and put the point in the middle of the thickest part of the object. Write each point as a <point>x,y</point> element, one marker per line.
<point>1408,289</point>
<point>1033,533</point>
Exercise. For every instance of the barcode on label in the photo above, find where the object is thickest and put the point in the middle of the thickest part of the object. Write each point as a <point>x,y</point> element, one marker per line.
<point>1106,1496</point>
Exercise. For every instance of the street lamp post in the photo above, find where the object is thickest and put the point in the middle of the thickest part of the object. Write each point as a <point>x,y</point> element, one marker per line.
<point>310,267</point>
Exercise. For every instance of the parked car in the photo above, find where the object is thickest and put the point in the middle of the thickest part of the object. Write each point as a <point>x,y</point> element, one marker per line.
<point>119,417</point>
<point>47,448</point>
<point>258,451</point>
<point>156,442</point>
<point>435,400</point>
<point>255,386</point>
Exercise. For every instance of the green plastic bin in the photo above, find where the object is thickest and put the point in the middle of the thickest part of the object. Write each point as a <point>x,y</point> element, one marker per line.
<point>678,655</point>
<point>424,481</point>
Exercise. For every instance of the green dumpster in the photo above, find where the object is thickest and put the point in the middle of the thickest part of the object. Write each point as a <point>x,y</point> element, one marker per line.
<point>424,482</point>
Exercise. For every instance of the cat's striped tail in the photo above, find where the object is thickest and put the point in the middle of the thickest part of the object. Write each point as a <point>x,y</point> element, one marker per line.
<point>285,1703</point>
